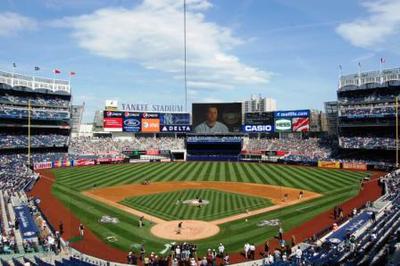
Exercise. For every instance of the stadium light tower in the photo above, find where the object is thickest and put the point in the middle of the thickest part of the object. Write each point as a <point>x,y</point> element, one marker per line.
<point>185,53</point>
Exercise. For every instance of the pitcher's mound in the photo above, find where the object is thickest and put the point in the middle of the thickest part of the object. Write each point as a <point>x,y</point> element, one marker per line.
<point>190,230</point>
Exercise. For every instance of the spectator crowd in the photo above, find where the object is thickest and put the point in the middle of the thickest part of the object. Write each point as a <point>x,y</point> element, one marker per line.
<point>367,143</point>
<point>21,141</point>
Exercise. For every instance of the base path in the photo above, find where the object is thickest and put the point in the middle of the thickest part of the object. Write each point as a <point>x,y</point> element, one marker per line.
<point>113,195</point>
<point>190,230</point>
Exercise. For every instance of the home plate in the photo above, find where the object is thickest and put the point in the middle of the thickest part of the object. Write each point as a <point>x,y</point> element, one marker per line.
<point>190,230</point>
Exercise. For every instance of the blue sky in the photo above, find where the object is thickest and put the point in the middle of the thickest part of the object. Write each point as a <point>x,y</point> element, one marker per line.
<point>132,51</point>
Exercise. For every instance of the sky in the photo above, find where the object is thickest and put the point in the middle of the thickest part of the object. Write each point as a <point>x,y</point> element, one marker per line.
<point>132,50</point>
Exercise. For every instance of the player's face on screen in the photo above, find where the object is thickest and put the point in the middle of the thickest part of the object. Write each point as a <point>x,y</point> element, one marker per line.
<point>212,115</point>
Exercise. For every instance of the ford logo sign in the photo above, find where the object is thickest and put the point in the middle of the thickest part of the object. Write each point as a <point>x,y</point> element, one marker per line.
<point>131,122</point>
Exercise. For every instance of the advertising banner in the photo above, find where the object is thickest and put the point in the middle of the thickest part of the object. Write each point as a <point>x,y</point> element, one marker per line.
<point>283,125</point>
<point>329,164</point>
<point>131,122</point>
<point>217,117</point>
<point>27,225</point>
<point>109,160</point>
<point>152,152</point>
<point>112,124</point>
<point>300,124</point>
<point>354,165</point>
<point>112,114</point>
<point>174,119</point>
<point>176,128</point>
<point>290,114</point>
<point>83,162</point>
<point>42,165</point>
<point>258,128</point>
<point>264,118</point>
<point>150,125</point>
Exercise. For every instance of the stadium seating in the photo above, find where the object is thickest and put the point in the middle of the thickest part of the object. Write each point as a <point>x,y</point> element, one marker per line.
<point>368,143</point>
<point>363,240</point>
<point>14,112</point>
<point>104,147</point>
<point>18,141</point>
<point>35,101</point>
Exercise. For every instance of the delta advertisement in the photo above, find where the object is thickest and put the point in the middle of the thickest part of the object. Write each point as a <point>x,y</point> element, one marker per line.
<point>115,121</point>
<point>292,121</point>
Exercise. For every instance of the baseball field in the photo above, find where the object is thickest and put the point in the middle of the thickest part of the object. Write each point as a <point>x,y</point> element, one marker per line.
<point>239,196</point>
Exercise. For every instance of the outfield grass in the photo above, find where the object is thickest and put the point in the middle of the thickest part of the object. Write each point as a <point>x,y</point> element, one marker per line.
<point>336,186</point>
<point>221,204</point>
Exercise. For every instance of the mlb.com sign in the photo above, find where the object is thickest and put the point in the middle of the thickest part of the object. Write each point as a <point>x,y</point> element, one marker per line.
<point>258,128</point>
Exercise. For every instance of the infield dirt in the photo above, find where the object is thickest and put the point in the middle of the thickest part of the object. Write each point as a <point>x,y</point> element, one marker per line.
<point>164,229</point>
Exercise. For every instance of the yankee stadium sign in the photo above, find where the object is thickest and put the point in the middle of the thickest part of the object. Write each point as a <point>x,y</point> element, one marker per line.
<point>144,107</point>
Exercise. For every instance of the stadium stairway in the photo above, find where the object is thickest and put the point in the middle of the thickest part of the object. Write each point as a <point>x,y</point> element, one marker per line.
<point>3,212</point>
<point>17,233</point>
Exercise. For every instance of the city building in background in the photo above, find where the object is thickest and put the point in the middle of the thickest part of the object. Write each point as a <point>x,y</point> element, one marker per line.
<point>317,121</point>
<point>76,117</point>
<point>259,104</point>
<point>98,121</point>
<point>331,113</point>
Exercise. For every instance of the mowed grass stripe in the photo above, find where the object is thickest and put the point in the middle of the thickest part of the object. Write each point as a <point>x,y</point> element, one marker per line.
<point>221,172</point>
<point>83,179</point>
<point>249,177</point>
<point>329,177</point>
<point>75,172</point>
<point>273,177</point>
<point>304,183</point>
<point>232,173</point>
<point>100,179</point>
<point>183,175</point>
<point>263,174</point>
<point>195,171</point>
<point>324,181</point>
<point>281,177</point>
<point>148,174</point>
<point>255,177</point>
<point>124,177</point>
<point>170,174</point>
<point>238,174</point>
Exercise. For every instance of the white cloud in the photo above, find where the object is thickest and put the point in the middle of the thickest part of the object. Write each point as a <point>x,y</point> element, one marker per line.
<point>12,23</point>
<point>151,34</point>
<point>380,30</point>
<point>363,57</point>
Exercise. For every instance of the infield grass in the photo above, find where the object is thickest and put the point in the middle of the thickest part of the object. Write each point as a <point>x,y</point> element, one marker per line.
<point>169,206</point>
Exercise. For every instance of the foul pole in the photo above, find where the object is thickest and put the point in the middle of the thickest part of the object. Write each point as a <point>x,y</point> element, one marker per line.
<point>397,130</point>
<point>29,132</point>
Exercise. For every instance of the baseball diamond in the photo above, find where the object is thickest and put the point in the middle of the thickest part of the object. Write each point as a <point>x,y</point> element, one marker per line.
<point>170,206</point>
<point>73,184</point>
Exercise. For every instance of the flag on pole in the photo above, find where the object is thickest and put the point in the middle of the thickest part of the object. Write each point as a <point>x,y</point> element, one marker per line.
<point>56,71</point>
<point>340,67</point>
<point>37,68</point>
<point>72,73</point>
<point>383,60</point>
<point>359,64</point>
<point>14,65</point>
